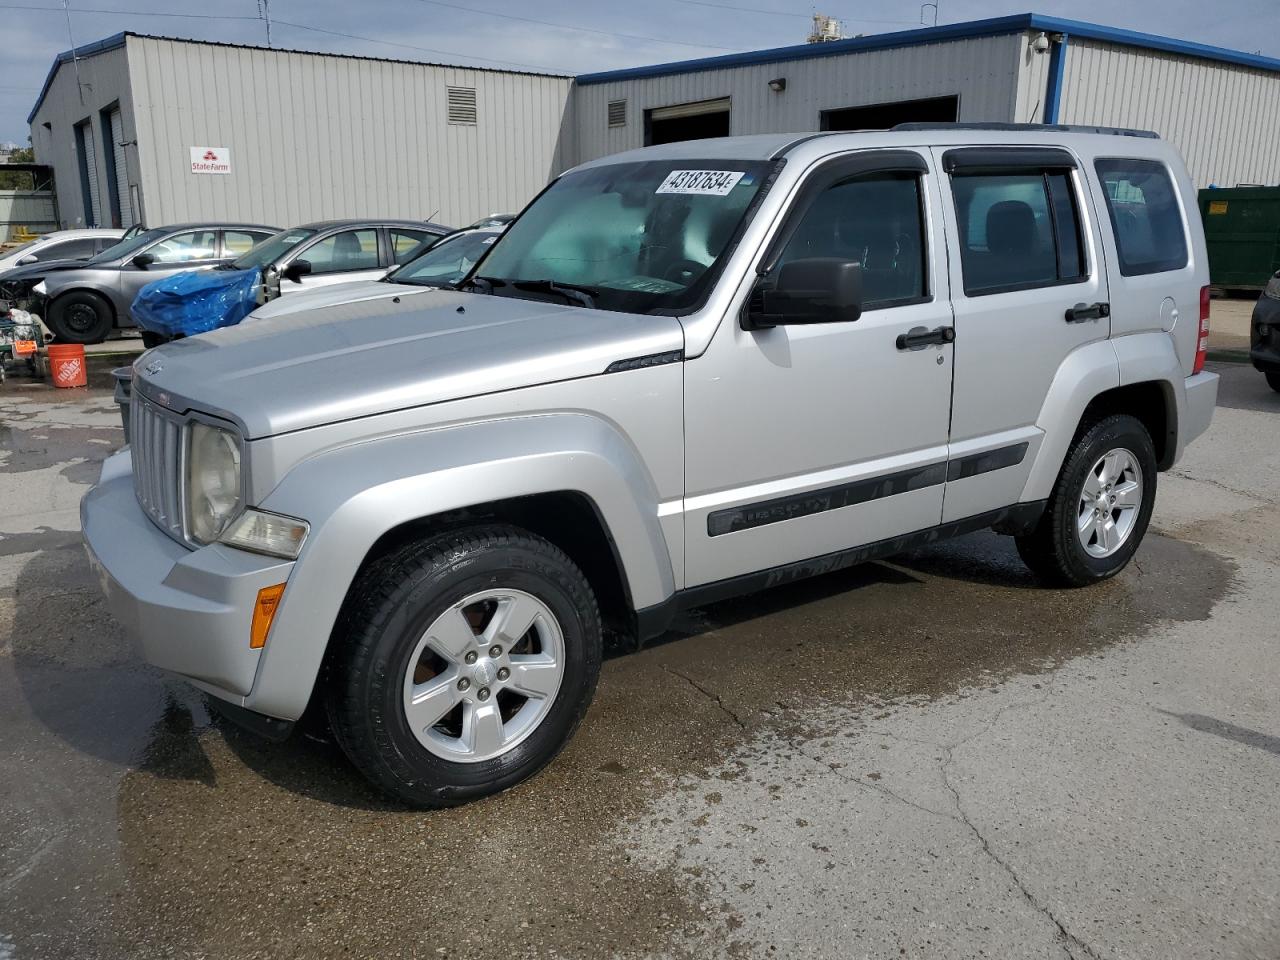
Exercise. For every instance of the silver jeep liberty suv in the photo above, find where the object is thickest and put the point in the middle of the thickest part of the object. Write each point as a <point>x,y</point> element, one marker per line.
<point>683,373</point>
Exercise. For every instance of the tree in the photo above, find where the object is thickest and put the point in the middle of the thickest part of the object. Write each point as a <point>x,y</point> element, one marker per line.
<point>18,179</point>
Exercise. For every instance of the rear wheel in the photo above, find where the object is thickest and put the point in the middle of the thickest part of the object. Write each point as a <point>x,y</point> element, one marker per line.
<point>463,664</point>
<point>1100,507</point>
<point>1273,380</point>
<point>80,316</point>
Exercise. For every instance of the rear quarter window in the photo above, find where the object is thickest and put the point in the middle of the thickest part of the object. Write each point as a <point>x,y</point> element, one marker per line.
<point>1142,202</point>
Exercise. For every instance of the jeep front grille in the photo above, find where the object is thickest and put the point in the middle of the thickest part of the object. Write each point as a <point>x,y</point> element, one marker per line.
<point>155,437</point>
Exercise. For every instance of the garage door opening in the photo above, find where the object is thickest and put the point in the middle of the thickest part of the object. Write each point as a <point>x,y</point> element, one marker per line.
<point>882,116</point>
<point>686,121</point>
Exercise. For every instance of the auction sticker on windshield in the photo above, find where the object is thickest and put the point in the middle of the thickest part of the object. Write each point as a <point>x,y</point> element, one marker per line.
<point>714,183</point>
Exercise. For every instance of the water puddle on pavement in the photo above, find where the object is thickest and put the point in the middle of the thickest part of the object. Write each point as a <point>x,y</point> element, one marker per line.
<point>215,843</point>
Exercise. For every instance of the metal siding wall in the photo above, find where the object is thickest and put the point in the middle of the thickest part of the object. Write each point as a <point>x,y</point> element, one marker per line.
<point>1033,80</point>
<point>1222,118</point>
<point>983,71</point>
<point>106,79</point>
<point>313,137</point>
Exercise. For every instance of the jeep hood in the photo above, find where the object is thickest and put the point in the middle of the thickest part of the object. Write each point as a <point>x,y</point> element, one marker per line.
<point>370,357</point>
<point>335,295</point>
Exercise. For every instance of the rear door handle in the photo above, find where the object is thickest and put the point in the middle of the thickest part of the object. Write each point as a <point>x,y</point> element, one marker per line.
<point>919,337</point>
<point>1088,311</point>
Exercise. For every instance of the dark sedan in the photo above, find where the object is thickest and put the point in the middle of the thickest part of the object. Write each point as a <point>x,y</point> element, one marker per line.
<point>1264,333</point>
<point>82,302</point>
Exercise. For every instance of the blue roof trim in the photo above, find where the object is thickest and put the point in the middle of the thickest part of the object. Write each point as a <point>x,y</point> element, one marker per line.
<point>98,46</point>
<point>994,26</point>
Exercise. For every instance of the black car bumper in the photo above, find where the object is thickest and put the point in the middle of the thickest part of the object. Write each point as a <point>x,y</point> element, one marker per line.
<point>1264,335</point>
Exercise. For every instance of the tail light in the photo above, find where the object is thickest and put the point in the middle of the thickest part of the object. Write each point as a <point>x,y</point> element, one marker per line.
<point>1202,337</point>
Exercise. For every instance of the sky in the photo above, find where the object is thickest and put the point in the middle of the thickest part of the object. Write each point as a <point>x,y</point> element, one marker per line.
<point>559,36</point>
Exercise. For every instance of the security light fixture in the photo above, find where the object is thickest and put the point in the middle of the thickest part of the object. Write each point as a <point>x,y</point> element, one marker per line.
<point>778,84</point>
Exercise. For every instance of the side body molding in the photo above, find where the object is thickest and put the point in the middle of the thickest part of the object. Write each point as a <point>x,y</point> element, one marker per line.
<point>353,495</point>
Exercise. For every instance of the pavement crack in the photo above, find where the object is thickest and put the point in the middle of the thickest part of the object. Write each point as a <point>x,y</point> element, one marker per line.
<point>1246,494</point>
<point>876,787</point>
<point>709,694</point>
<point>1069,941</point>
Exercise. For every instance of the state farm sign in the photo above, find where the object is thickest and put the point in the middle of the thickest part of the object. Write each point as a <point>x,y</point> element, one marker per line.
<point>210,160</point>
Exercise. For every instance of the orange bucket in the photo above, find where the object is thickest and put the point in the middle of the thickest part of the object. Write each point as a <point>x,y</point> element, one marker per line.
<point>66,365</point>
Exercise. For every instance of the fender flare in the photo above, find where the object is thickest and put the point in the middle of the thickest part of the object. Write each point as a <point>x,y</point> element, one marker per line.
<point>1090,371</point>
<point>353,495</point>
<point>1086,372</point>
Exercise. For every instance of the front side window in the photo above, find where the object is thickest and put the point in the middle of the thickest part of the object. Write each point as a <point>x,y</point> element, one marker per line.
<point>182,247</point>
<point>1018,230</point>
<point>342,252</point>
<point>643,237</point>
<point>1143,205</point>
<point>874,221</point>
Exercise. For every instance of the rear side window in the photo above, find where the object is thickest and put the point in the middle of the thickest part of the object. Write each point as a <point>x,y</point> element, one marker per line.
<point>1143,204</point>
<point>1018,230</point>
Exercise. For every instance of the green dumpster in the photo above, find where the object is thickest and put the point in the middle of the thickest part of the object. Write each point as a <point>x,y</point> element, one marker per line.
<point>1242,229</point>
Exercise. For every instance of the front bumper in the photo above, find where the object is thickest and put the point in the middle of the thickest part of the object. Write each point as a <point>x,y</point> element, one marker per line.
<point>188,611</point>
<point>1264,349</point>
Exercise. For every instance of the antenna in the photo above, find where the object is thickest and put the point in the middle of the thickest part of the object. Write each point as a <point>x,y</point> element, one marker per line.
<point>75,54</point>
<point>264,13</point>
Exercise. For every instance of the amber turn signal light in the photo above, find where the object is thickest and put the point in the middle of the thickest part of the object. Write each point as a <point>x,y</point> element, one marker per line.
<point>264,611</point>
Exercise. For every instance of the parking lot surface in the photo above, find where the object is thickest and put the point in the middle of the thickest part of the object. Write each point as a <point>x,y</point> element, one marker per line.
<point>927,757</point>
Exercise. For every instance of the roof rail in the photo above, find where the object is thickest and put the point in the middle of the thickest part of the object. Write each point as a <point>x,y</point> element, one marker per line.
<point>1063,127</point>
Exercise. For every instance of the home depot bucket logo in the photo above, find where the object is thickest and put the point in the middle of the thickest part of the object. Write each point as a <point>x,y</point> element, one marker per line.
<point>210,160</point>
<point>70,373</point>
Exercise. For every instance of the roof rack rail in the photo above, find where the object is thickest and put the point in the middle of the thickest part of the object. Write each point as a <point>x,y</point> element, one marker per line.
<point>1063,127</point>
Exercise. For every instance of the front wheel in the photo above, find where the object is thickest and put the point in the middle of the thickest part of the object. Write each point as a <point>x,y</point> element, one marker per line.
<point>1100,507</point>
<point>80,316</point>
<point>1273,380</point>
<point>463,664</point>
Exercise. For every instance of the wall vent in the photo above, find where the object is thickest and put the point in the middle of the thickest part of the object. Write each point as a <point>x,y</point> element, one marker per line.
<point>462,105</point>
<point>617,113</point>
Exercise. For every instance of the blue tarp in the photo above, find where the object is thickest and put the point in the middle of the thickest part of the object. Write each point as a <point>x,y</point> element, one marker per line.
<point>196,301</point>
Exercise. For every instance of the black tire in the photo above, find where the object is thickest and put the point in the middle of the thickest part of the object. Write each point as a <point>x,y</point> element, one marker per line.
<point>1273,380</point>
<point>1052,550</point>
<point>150,339</point>
<point>81,316</point>
<point>388,610</point>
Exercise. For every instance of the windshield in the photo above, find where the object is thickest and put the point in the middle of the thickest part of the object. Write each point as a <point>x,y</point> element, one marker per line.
<point>126,247</point>
<point>17,251</point>
<point>448,261</point>
<point>271,249</point>
<point>644,237</point>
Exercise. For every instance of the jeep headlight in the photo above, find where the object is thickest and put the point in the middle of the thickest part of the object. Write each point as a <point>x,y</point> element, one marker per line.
<point>213,481</point>
<point>1273,287</point>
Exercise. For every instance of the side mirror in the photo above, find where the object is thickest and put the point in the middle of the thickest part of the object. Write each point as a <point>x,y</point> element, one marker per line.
<point>297,270</point>
<point>143,260</point>
<point>29,258</point>
<point>817,290</point>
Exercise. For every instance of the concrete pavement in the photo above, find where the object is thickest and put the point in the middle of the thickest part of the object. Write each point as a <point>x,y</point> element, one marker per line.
<point>930,757</point>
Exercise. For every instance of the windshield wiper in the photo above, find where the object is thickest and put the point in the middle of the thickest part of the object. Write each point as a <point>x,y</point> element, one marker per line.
<point>574,293</point>
<point>483,284</point>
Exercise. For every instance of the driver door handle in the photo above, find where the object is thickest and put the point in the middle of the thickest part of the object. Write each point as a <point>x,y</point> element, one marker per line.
<point>919,337</point>
<point>1090,311</point>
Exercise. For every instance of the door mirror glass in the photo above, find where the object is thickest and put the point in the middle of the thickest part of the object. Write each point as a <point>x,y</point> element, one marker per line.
<point>297,270</point>
<point>814,290</point>
<point>143,260</point>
